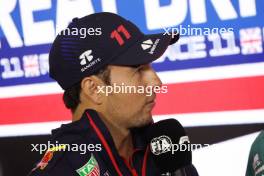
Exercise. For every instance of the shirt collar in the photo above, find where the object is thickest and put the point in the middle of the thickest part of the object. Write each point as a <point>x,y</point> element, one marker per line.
<point>139,141</point>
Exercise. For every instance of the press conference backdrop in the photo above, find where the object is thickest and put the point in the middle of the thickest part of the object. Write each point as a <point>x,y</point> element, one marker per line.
<point>214,80</point>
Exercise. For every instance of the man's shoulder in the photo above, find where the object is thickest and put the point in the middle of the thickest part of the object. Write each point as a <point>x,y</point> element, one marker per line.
<point>66,145</point>
<point>52,158</point>
<point>64,159</point>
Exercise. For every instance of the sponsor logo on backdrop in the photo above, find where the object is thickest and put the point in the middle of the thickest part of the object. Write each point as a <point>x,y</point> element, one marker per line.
<point>24,53</point>
<point>32,65</point>
<point>216,45</point>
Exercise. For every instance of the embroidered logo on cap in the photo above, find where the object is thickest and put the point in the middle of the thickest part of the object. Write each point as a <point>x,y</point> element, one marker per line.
<point>149,44</point>
<point>86,56</point>
<point>87,60</point>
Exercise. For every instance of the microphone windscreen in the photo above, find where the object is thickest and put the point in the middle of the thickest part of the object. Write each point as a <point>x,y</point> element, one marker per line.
<point>165,138</point>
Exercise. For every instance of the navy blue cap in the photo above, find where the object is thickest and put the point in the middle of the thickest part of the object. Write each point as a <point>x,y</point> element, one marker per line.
<point>109,40</point>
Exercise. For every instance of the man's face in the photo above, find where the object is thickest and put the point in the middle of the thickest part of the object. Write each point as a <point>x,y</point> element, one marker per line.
<point>132,109</point>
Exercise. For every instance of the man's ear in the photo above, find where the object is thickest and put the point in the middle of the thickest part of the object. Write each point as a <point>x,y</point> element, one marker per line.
<point>90,89</point>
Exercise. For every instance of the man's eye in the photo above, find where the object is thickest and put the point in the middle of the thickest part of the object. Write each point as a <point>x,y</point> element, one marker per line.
<point>135,66</point>
<point>140,68</point>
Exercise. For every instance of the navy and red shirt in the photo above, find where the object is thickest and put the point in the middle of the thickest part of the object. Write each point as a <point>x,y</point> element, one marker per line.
<point>101,156</point>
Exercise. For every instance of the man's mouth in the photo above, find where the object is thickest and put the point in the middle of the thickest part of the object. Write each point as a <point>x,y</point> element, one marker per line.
<point>151,103</point>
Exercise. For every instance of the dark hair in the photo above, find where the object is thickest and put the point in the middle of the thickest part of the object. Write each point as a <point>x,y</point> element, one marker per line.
<point>71,96</point>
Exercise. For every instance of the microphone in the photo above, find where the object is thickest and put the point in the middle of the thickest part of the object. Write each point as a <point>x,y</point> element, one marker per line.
<point>169,148</point>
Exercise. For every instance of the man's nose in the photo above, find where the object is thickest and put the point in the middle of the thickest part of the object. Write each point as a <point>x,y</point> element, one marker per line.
<point>154,79</point>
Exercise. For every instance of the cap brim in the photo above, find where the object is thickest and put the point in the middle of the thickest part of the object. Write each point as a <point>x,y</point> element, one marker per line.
<point>146,50</point>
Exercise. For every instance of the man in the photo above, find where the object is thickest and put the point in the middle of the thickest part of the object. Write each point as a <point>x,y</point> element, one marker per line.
<point>110,124</point>
<point>255,165</point>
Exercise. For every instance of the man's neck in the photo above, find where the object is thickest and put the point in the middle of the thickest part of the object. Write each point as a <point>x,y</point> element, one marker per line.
<point>124,144</point>
<point>122,137</point>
